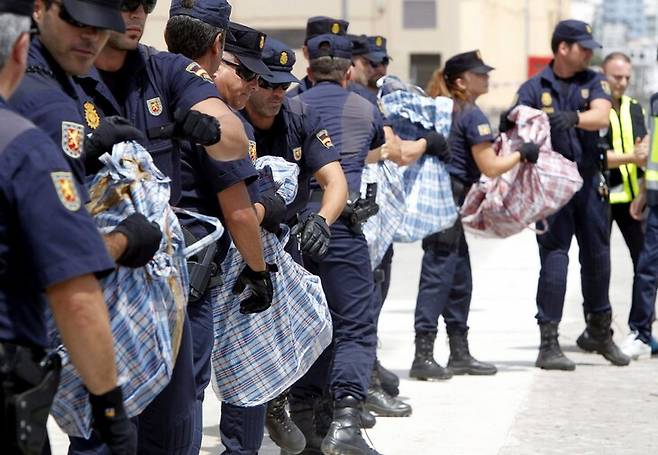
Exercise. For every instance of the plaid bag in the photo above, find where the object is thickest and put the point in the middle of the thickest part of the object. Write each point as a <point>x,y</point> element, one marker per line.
<point>527,193</point>
<point>279,175</point>
<point>380,229</point>
<point>146,305</point>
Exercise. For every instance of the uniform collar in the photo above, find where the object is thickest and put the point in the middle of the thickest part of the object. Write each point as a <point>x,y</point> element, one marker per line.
<point>549,75</point>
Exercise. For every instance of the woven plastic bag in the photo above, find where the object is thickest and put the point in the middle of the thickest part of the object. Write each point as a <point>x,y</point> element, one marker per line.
<point>147,304</point>
<point>527,193</point>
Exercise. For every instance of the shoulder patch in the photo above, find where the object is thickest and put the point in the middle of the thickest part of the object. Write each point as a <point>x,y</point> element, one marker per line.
<point>91,115</point>
<point>297,153</point>
<point>73,136</point>
<point>154,106</point>
<point>324,138</point>
<point>484,129</point>
<point>66,190</point>
<point>253,153</point>
<point>606,87</point>
<point>198,71</point>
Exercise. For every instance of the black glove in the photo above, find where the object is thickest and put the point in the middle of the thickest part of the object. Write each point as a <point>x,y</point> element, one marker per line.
<point>143,240</point>
<point>437,146</point>
<point>197,127</point>
<point>112,423</point>
<point>112,130</point>
<point>315,236</point>
<point>529,152</point>
<point>505,124</point>
<point>563,120</point>
<point>275,211</point>
<point>261,287</point>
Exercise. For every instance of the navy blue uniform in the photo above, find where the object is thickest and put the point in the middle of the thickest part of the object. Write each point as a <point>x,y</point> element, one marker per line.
<point>445,279</point>
<point>355,127</point>
<point>303,86</point>
<point>587,214</point>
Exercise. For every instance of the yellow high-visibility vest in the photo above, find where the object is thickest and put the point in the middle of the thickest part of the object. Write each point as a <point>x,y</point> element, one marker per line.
<point>651,175</point>
<point>623,141</point>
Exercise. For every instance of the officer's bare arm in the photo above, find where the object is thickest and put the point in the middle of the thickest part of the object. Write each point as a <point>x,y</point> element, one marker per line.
<point>491,164</point>
<point>234,143</point>
<point>116,244</point>
<point>83,322</point>
<point>242,224</point>
<point>332,180</point>
<point>597,117</point>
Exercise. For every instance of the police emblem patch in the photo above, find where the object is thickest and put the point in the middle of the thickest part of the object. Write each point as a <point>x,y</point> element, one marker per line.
<point>335,28</point>
<point>379,41</point>
<point>91,115</point>
<point>484,129</point>
<point>297,153</point>
<point>154,106</point>
<point>253,154</point>
<point>66,190</point>
<point>73,136</point>
<point>606,87</point>
<point>546,99</point>
<point>198,71</point>
<point>584,93</point>
<point>261,43</point>
<point>323,137</point>
<point>283,59</point>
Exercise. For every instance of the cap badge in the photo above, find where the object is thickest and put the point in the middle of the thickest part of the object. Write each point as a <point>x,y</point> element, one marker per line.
<point>253,154</point>
<point>335,28</point>
<point>546,99</point>
<point>379,41</point>
<point>66,190</point>
<point>478,54</point>
<point>261,43</point>
<point>91,116</point>
<point>588,28</point>
<point>154,106</point>
<point>297,153</point>
<point>72,139</point>
<point>283,59</point>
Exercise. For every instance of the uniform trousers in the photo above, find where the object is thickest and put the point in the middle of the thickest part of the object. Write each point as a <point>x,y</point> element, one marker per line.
<point>643,309</point>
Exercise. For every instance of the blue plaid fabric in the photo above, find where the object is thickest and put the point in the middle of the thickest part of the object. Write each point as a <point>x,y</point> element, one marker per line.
<point>256,357</point>
<point>146,305</point>
<point>279,175</point>
<point>380,229</point>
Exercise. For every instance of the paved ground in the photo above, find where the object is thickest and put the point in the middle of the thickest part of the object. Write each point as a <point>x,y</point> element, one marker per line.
<point>598,409</point>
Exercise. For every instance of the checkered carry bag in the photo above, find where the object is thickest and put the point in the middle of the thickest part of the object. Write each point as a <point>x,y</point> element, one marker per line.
<point>380,229</point>
<point>279,175</point>
<point>146,305</point>
<point>527,193</point>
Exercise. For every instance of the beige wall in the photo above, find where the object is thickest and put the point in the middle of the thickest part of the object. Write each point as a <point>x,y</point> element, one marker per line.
<point>496,27</point>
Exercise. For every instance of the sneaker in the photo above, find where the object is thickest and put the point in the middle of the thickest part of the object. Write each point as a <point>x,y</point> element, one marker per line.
<point>635,348</point>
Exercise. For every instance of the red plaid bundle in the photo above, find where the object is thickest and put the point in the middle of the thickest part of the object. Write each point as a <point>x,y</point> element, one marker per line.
<point>527,193</point>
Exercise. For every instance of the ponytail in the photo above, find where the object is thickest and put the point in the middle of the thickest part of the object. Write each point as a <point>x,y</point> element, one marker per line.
<point>440,85</point>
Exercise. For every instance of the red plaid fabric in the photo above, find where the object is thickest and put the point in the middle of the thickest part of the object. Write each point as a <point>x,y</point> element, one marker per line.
<point>527,193</point>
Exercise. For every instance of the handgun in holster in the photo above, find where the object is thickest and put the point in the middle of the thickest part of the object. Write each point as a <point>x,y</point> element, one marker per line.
<point>202,269</point>
<point>358,209</point>
<point>29,383</point>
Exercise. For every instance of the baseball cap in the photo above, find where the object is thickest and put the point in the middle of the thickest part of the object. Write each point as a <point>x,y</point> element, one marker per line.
<point>329,46</point>
<point>466,61</point>
<point>377,52</point>
<point>359,44</point>
<point>279,59</point>
<point>574,31</point>
<point>104,14</point>
<point>247,45</point>
<point>323,25</point>
<point>18,7</point>
<point>212,12</point>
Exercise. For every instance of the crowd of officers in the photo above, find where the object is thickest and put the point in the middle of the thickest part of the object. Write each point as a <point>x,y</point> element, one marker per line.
<point>75,80</point>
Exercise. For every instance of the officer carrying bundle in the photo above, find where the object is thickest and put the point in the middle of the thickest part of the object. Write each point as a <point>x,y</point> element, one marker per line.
<point>527,193</point>
<point>258,356</point>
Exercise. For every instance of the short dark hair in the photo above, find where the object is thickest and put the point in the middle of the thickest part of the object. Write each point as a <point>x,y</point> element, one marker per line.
<point>189,36</point>
<point>615,56</point>
<point>555,43</point>
<point>329,68</point>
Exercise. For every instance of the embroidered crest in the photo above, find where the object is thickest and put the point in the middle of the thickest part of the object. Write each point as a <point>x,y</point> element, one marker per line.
<point>283,59</point>
<point>91,115</point>
<point>335,28</point>
<point>484,129</point>
<point>379,41</point>
<point>154,106</point>
<point>198,71</point>
<point>297,153</point>
<point>584,93</point>
<point>546,99</point>
<point>73,136</point>
<point>261,43</point>
<point>253,154</point>
<point>323,137</point>
<point>606,87</point>
<point>66,190</point>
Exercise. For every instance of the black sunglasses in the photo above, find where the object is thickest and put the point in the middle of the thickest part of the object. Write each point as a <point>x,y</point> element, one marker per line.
<point>66,17</point>
<point>262,83</point>
<point>132,5</point>
<point>242,71</point>
<point>385,61</point>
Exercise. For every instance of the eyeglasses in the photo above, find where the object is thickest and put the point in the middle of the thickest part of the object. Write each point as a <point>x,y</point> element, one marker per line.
<point>132,5</point>
<point>262,83</point>
<point>66,17</point>
<point>242,71</point>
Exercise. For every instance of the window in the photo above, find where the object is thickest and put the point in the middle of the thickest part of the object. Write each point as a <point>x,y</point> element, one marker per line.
<point>419,14</point>
<point>421,67</point>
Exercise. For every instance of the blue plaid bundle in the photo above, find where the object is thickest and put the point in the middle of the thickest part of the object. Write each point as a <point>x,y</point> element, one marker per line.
<point>278,175</point>
<point>146,305</point>
<point>380,229</point>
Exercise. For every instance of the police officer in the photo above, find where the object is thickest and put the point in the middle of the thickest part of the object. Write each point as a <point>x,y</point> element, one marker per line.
<point>290,129</point>
<point>52,255</point>
<point>577,101</point>
<point>627,141</point>
<point>318,25</point>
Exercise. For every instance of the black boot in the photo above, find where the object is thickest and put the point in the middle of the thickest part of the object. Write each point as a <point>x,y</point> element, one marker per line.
<point>281,428</point>
<point>344,436</point>
<point>368,420</point>
<point>424,366</point>
<point>461,361</point>
<point>381,403</point>
<point>597,337</point>
<point>303,413</point>
<point>390,381</point>
<point>550,355</point>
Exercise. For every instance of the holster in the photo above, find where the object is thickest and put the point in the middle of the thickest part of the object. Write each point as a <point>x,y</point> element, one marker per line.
<point>358,210</point>
<point>449,240</point>
<point>202,268</point>
<point>29,380</point>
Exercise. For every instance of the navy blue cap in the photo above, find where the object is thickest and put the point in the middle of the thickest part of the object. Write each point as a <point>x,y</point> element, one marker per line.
<point>329,46</point>
<point>323,25</point>
<point>247,45</point>
<point>466,61</point>
<point>103,14</point>
<point>359,44</point>
<point>18,7</point>
<point>377,52</point>
<point>213,12</point>
<point>573,31</point>
<point>279,59</point>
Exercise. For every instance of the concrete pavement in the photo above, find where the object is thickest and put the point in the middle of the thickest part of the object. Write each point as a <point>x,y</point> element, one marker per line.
<point>598,409</point>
